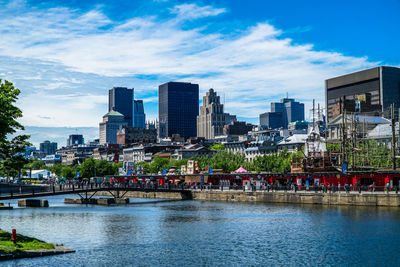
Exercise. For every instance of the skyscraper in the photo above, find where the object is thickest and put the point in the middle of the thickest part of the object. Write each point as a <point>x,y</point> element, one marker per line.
<point>139,118</point>
<point>178,107</point>
<point>211,120</point>
<point>282,113</point>
<point>121,99</point>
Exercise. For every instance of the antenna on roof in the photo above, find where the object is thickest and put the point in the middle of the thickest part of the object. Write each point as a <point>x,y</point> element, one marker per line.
<point>287,95</point>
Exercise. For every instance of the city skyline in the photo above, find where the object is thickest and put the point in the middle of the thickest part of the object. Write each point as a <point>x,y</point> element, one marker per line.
<point>250,57</point>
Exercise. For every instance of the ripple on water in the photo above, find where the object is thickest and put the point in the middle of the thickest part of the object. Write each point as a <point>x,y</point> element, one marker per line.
<point>211,233</point>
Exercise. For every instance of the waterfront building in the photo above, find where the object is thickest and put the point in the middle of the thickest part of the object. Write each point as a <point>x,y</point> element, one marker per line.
<point>139,117</point>
<point>130,135</point>
<point>48,148</point>
<point>282,113</point>
<point>211,120</point>
<point>178,107</point>
<point>112,122</point>
<point>372,90</point>
<point>75,139</point>
<point>120,99</point>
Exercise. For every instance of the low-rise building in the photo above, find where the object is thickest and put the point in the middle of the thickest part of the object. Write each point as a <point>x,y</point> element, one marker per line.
<point>293,143</point>
<point>190,151</point>
<point>110,152</point>
<point>50,160</point>
<point>130,135</point>
<point>75,154</point>
<point>362,123</point>
<point>237,128</point>
<point>146,152</point>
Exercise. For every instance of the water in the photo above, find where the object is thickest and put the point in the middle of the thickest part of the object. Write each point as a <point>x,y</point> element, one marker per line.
<point>210,233</point>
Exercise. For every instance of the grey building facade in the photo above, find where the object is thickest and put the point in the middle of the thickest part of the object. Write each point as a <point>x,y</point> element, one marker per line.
<point>370,91</point>
<point>211,120</point>
<point>121,99</point>
<point>112,122</point>
<point>178,108</point>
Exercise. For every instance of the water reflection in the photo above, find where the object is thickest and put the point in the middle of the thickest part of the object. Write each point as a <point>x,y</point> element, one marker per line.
<point>211,233</point>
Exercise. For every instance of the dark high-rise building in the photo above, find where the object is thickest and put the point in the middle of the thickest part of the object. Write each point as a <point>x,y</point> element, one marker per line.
<point>120,99</point>
<point>282,113</point>
<point>48,148</point>
<point>178,107</point>
<point>75,139</point>
<point>139,118</point>
<point>368,91</point>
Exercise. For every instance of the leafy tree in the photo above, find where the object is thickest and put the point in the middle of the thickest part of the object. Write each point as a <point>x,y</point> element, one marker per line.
<point>217,147</point>
<point>159,164</point>
<point>56,168</point>
<point>35,164</point>
<point>67,172</point>
<point>146,166</point>
<point>11,161</point>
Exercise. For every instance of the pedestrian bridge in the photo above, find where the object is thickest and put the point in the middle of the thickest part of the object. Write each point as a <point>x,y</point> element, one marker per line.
<point>90,190</point>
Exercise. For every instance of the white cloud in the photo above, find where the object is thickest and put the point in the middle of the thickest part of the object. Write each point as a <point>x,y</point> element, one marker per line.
<point>65,60</point>
<point>193,11</point>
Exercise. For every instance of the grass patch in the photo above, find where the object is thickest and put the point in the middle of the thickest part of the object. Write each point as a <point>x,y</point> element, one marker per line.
<point>23,243</point>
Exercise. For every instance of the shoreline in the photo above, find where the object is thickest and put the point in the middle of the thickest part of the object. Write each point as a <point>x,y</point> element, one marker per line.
<point>20,254</point>
<point>289,197</point>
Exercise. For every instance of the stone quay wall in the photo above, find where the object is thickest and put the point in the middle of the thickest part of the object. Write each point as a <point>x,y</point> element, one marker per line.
<point>137,194</point>
<point>352,199</point>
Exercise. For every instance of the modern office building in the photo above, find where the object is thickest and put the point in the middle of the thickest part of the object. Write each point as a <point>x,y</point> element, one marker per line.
<point>48,148</point>
<point>282,113</point>
<point>75,139</point>
<point>178,107</point>
<point>369,91</point>
<point>112,122</point>
<point>211,120</point>
<point>139,118</point>
<point>120,99</point>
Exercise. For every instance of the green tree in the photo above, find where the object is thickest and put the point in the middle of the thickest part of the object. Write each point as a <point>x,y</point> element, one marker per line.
<point>10,160</point>
<point>159,164</point>
<point>67,172</point>
<point>217,147</point>
<point>35,164</point>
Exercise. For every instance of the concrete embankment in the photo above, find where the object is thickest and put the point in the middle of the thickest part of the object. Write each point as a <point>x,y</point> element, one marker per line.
<point>97,201</point>
<point>4,256</point>
<point>353,199</point>
<point>137,194</point>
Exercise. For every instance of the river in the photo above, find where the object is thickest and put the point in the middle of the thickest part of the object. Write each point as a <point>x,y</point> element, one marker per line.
<point>210,233</point>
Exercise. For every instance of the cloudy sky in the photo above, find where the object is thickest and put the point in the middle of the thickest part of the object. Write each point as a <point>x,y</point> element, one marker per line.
<point>65,55</point>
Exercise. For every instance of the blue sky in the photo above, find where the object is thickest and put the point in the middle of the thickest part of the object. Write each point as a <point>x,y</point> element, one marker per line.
<point>65,55</point>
